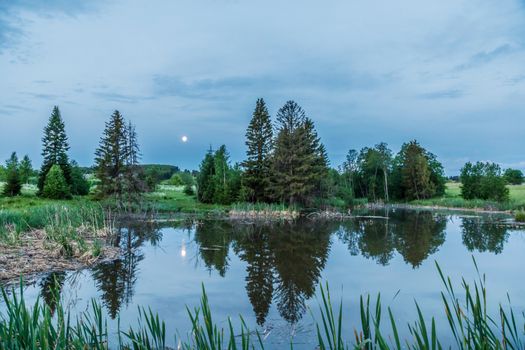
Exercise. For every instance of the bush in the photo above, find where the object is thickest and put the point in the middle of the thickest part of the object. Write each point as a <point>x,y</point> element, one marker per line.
<point>79,185</point>
<point>520,216</point>
<point>55,185</point>
<point>514,176</point>
<point>483,181</point>
<point>175,180</point>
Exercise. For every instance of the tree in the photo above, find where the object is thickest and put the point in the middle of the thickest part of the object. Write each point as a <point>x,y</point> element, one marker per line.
<point>221,195</point>
<point>54,149</point>
<point>13,185</point>
<point>299,160</point>
<point>416,173</point>
<point>483,181</point>
<point>26,169</point>
<point>384,160</point>
<point>257,164</point>
<point>79,184</point>
<point>110,157</point>
<point>56,186</point>
<point>514,176</point>
<point>205,183</point>
<point>116,162</point>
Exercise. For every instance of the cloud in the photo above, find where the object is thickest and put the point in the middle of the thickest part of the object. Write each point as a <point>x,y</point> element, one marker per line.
<point>484,57</point>
<point>442,94</point>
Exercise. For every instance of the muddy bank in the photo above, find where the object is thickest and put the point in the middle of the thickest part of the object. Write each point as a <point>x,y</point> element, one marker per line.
<point>33,254</point>
<point>264,215</point>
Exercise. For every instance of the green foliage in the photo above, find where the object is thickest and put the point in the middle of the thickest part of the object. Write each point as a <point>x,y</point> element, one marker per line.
<point>3,173</point>
<point>259,138</point>
<point>175,180</point>
<point>514,176</point>
<point>26,169</point>
<point>79,184</point>
<point>416,173</point>
<point>56,186</point>
<point>519,216</point>
<point>54,149</point>
<point>218,182</point>
<point>483,181</point>
<point>370,170</point>
<point>116,164</point>
<point>13,185</point>
<point>299,160</point>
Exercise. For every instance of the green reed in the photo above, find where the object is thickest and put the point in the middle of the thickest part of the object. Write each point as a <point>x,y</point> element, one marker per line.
<point>469,324</point>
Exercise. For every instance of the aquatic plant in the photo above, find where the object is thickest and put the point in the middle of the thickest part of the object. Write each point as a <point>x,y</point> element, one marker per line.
<point>469,324</point>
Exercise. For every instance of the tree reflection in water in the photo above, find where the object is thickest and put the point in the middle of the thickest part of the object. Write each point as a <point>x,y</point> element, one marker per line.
<point>284,261</point>
<point>116,279</point>
<point>415,235</point>
<point>483,235</point>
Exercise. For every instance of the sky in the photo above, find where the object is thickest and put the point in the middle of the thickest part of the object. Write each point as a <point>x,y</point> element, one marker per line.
<point>448,73</point>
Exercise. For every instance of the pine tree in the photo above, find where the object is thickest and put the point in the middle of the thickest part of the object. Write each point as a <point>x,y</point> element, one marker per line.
<point>13,185</point>
<point>54,149</point>
<point>299,161</point>
<point>205,179</point>
<point>259,141</point>
<point>221,195</point>
<point>56,186</point>
<point>111,157</point>
<point>26,169</point>
<point>134,176</point>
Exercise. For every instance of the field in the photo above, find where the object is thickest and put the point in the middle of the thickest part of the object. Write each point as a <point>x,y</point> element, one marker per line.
<point>452,199</point>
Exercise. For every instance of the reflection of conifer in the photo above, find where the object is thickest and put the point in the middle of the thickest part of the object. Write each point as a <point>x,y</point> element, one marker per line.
<point>116,280</point>
<point>254,249</point>
<point>51,289</point>
<point>300,255</point>
<point>214,238</point>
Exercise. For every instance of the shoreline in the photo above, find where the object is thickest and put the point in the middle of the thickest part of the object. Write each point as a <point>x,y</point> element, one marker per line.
<point>33,256</point>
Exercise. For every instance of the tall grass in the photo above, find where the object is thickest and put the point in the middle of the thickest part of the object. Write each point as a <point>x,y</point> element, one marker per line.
<point>54,218</point>
<point>470,326</point>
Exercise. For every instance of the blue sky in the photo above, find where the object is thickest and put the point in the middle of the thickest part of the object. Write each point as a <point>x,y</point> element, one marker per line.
<point>449,73</point>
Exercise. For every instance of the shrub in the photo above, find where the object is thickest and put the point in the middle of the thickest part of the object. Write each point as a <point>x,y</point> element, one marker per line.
<point>55,185</point>
<point>13,185</point>
<point>79,185</point>
<point>175,180</point>
<point>520,216</point>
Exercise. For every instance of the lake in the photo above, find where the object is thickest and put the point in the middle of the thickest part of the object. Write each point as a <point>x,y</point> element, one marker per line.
<point>271,273</point>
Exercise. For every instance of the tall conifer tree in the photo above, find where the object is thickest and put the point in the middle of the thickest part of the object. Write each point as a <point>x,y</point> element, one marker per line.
<point>54,149</point>
<point>299,161</point>
<point>259,141</point>
<point>111,157</point>
<point>13,185</point>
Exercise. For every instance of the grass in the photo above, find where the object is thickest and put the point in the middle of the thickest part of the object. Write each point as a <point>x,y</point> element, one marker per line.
<point>470,326</point>
<point>453,199</point>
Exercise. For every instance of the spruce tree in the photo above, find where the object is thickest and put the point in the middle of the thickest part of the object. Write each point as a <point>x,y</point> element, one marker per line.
<point>117,164</point>
<point>259,141</point>
<point>299,161</point>
<point>26,169</point>
<point>56,186</point>
<point>205,179</point>
<point>13,185</point>
<point>221,194</point>
<point>54,149</point>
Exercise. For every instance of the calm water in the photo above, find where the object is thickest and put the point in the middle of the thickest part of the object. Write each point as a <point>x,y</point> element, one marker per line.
<point>270,274</point>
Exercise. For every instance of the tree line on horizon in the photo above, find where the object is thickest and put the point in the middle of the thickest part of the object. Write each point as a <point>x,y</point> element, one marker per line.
<point>286,162</point>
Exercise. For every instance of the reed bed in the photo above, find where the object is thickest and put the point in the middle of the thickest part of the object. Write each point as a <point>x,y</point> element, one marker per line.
<point>53,238</point>
<point>262,211</point>
<point>471,327</point>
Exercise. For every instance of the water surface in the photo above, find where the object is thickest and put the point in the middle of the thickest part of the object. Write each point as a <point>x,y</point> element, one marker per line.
<point>270,274</point>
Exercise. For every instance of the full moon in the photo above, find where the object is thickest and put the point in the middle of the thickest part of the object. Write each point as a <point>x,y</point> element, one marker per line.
<point>184,138</point>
